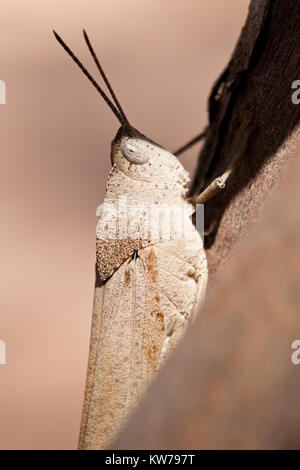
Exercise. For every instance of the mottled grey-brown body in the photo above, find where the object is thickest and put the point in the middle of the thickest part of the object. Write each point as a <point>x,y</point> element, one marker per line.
<point>151,274</point>
<point>148,290</point>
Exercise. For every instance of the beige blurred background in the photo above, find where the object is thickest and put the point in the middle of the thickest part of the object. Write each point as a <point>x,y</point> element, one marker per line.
<point>162,58</point>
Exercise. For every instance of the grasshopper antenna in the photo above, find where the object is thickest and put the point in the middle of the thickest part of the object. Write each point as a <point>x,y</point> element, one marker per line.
<point>91,79</point>
<point>93,54</point>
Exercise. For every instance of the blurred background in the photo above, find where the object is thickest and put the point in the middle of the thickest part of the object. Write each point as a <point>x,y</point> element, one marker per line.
<point>162,59</point>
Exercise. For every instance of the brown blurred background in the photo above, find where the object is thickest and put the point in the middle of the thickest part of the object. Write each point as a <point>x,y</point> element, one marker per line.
<point>162,58</point>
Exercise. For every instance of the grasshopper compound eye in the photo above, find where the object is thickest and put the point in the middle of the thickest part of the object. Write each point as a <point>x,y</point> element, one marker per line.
<point>134,151</point>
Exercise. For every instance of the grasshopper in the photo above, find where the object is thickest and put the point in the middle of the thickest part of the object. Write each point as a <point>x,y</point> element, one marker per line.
<point>149,285</point>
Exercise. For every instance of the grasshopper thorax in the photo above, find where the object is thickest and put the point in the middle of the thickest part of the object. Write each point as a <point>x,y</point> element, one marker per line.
<point>135,155</point>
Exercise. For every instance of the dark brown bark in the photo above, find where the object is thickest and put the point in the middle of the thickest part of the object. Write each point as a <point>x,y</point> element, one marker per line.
<point>252,118</point>
<point>231,383</point>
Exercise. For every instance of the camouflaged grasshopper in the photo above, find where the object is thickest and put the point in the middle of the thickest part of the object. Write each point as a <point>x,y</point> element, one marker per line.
<point>148,286</point>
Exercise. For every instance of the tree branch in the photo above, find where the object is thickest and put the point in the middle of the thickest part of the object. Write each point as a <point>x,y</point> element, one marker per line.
<point>252,120</point>
<point>231,383</point>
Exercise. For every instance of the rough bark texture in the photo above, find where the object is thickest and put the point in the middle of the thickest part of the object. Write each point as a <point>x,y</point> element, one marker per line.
<point>252,119</point>
<point>231,383</point>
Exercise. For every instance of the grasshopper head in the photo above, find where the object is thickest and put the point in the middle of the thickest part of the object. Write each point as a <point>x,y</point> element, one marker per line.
<point>130,144</point>
<point>136,155</point>
<point>141,158</point>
